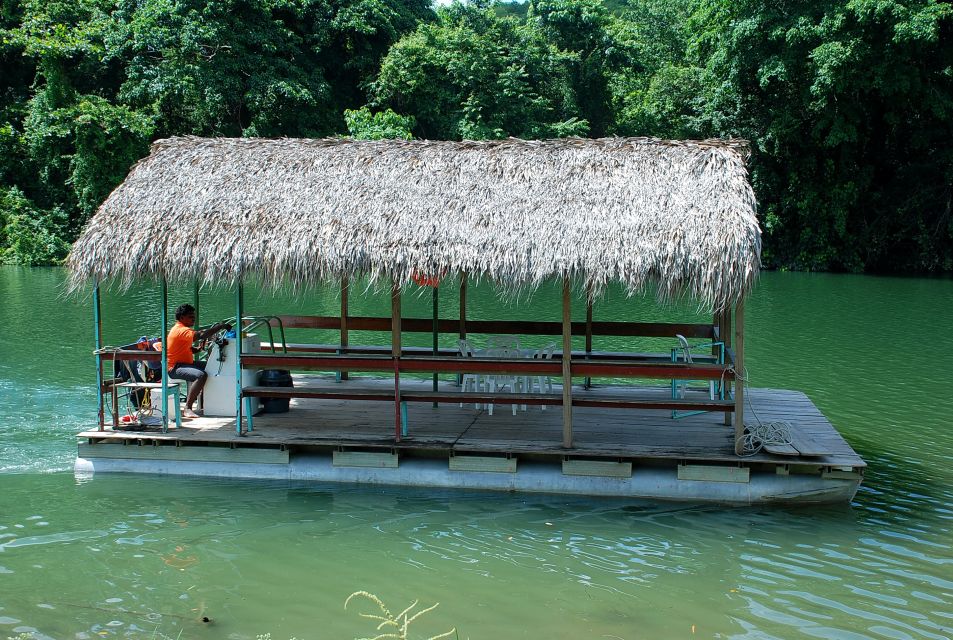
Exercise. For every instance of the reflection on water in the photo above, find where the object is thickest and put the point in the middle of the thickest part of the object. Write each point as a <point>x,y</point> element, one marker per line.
<point>150,557</point>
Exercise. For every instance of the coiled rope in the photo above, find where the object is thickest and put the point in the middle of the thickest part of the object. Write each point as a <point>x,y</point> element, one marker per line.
<point>754,437</point>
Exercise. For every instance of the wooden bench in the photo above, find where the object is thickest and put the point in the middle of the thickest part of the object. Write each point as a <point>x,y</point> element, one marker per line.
<point>301,347</point>
<point>617,402</point>
<point>324,394</point>
<point>620,402</point>
<point>449,397</point>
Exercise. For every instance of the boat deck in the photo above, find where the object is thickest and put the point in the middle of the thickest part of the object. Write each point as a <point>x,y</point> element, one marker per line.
<point>616,452</point>
<point>641,435</point>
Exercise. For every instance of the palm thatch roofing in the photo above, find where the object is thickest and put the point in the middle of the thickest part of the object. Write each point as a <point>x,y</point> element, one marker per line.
<point>676,215</point>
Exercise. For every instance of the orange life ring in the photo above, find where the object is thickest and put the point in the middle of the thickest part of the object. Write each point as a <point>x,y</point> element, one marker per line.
<point>424,280</point>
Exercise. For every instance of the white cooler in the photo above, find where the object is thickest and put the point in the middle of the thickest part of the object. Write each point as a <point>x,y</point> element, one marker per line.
<point>220,386</point>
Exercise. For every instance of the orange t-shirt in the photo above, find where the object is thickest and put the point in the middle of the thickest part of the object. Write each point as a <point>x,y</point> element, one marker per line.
<point>179,345</point>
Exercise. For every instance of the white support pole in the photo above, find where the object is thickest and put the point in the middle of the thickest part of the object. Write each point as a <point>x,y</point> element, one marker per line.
<point>98,331</point>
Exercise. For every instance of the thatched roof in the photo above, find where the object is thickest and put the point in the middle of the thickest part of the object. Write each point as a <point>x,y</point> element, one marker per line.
<point>645,212</point>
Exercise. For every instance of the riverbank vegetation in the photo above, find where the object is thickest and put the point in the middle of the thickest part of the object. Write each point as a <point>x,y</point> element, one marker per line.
<point>848,103</point>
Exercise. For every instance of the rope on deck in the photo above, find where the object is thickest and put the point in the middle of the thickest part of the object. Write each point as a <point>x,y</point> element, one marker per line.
<point>754,438</point>
<point>773,433</point>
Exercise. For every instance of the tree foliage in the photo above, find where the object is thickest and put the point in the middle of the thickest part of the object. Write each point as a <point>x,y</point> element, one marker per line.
<point>850,106</point>
<point>254,67</point>
<point>75,143</point>
<point>580,30</point>
<point>364,124</point>
<point>92,82</point>
<point>473,74</point>
<point>663,94</point>
<point>30,235</point>
<point>848,103</point>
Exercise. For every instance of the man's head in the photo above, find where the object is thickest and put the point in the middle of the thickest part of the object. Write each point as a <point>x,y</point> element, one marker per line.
<point>185,313</point>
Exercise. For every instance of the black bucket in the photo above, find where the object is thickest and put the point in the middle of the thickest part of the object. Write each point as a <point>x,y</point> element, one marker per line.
<point>275,378</point>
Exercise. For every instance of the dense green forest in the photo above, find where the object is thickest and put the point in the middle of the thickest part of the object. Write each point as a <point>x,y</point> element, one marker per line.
<point>848,103</point>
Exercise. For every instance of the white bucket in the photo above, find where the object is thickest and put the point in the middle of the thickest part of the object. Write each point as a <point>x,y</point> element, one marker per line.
<point>156,397</point>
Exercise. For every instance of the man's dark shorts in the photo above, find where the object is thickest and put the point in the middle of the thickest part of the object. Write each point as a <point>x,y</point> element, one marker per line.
<point>190,372</point>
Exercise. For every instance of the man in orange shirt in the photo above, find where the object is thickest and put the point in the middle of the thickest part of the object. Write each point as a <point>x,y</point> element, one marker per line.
<point>180,345</point>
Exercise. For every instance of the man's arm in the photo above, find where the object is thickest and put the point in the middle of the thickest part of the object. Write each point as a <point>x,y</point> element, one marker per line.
<point>211,331</point>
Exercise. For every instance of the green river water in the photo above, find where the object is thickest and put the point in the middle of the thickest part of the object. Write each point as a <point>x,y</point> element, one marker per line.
<point>148,557</point>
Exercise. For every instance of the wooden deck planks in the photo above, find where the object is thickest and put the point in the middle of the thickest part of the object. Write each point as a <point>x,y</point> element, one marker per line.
<point>597,432</point>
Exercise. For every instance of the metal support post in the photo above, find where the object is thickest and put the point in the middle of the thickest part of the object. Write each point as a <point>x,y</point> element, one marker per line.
<point>436,335</point>
<point>238,357</point>
<point>165,357</point>
<point>98,332</point>
<point>395,349</point>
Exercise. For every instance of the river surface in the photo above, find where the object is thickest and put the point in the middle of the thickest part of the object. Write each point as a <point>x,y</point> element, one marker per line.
<point>150,557</point>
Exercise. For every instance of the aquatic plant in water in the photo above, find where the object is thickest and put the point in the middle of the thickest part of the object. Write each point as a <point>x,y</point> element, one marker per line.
<point>392,626</point>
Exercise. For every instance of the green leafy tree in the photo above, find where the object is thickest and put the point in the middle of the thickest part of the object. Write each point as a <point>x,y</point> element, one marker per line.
<point>11,155</point>
<point>106,139</point>
<point>29,235</point>
<point>581,29</point>
<point>230,67</point>
<point>18,70</point>
<point>515,9</point>
<point>79,141</point>
<point>671,105</point>
<point>850,105</point>
<point>87,84</point>
<point>365,124</point>
<point>476,75</point>
<point>661,93</point>
<point>254,67</point>
<point>361,33</point>
<point>83,149</point>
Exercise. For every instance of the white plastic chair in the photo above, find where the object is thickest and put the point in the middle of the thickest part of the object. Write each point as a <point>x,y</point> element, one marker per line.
<point>503,342</point>
<point>470,381</point>
<point>497,382</point>
<point>531,383</point>
<point>518,384</point>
